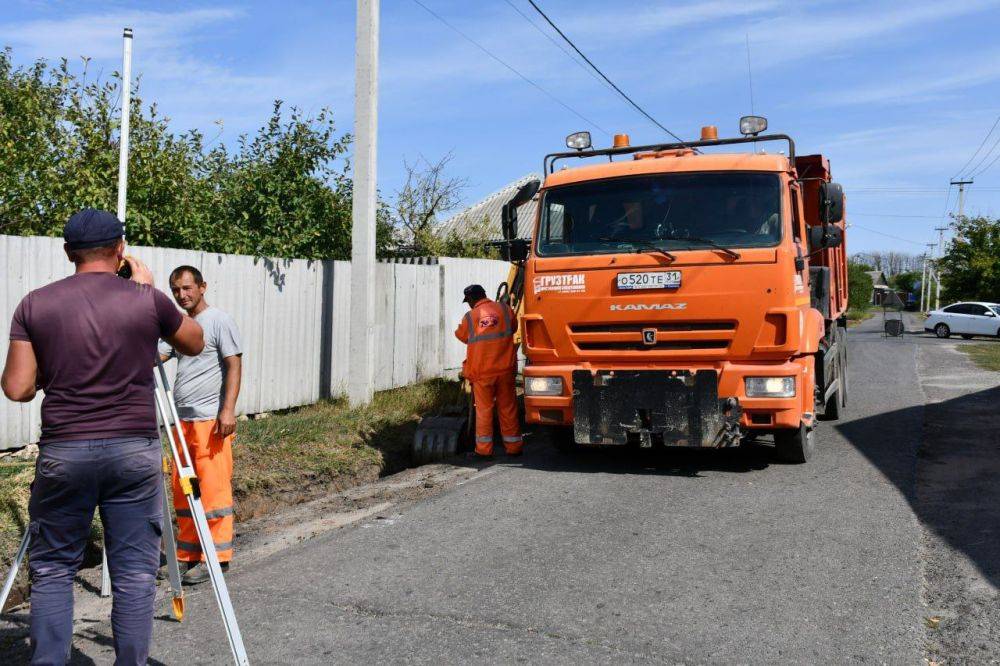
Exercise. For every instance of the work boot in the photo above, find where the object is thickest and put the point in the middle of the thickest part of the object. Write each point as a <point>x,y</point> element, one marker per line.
<point>513,453</point>
<point>198,573</point>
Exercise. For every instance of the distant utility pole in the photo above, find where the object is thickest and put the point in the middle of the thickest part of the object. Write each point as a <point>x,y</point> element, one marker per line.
<point>925,283</point>
<point>961,194</point>
<point>361,380</point>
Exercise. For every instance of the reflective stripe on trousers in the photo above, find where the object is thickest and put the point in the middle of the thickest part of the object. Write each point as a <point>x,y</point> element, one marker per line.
<point>496,393</point>
<point>212,458</point>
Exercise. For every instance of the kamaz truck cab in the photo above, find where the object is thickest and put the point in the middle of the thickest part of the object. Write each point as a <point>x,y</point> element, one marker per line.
<point>679,295</point>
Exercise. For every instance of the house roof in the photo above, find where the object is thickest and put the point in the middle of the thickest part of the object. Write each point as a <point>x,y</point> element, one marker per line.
<point>878,278</point>
<point>486,212</point>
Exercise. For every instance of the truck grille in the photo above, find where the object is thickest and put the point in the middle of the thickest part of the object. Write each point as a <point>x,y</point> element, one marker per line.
<point>670,336</point>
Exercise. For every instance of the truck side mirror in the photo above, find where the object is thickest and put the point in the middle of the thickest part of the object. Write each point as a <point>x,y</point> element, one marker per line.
<point>508,214</point>
<point>514,249</point>
<point>824,236</point>
<point>831,202</point>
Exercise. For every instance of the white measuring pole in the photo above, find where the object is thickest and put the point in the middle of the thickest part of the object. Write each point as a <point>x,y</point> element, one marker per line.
<point>122,193</point>
<point>361,380</point>
<point>126,108</point>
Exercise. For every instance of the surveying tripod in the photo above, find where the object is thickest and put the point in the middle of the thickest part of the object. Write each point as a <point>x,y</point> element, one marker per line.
<point>166,411</point>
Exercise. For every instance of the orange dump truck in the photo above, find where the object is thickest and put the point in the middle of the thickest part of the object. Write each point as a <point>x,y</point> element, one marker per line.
<point>688,294</point>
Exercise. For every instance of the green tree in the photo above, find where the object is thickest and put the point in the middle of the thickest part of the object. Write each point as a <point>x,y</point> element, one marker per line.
<point>905,281</point>
<point>970,268</point>
<point>859,287</point>
<point>284,191</point>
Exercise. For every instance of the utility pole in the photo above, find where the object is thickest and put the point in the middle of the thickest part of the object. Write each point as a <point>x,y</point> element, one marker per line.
<point>923,283</point>
<point>361,379</point>
<point>124,134</point>
<point>940,248</point>
<point>925,301</point>
<point>961,194</point>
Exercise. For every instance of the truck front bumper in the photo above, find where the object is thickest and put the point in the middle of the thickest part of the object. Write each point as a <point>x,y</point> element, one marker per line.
<point>653,406</point>
<point>654,392</point>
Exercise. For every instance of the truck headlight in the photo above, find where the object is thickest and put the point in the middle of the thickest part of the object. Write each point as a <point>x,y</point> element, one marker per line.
<point>543,386</point>
<point>770,387</point>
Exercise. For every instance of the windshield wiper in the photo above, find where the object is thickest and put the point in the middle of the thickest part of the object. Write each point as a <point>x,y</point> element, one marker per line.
<point>705,241</point>
<point>645,245</point>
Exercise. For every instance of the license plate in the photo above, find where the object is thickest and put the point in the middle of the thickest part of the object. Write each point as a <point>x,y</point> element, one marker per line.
<point>656,280</point>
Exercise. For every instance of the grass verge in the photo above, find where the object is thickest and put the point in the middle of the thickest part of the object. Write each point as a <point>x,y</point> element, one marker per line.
<point>856,316</point>
<point>985,354</point>
<point>286,458</point>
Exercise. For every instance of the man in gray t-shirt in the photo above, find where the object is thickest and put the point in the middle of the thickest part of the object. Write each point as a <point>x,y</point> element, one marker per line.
<point>206,389</point>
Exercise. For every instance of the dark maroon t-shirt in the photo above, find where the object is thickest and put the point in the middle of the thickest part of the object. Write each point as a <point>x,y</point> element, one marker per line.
<point>94,335</point>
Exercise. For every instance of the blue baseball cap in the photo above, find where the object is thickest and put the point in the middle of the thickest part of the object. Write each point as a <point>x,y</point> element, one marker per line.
<point>92,228</point>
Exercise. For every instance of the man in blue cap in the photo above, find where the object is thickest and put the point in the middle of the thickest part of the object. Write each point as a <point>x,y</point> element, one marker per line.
<point>89,342</point>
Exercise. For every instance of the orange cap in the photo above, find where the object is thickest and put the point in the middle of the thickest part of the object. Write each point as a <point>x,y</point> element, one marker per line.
<point>709,133</point>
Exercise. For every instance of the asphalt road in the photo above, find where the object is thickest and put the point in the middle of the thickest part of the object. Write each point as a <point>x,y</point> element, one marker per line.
<point>677,557</point>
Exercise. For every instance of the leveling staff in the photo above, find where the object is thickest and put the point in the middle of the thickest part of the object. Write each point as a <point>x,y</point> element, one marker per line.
<point>87,342</point>
<point>206,390</point>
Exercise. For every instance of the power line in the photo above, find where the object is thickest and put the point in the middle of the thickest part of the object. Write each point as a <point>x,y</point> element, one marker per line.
<point>947,199</point>
<point>985,157</point>
<point>983,143</point>
<point>558,45</point>
<point>929,217</point>
<point>603,75</point>
<point>881,233</point>
<point>511,68</point>
<point>986,168</point>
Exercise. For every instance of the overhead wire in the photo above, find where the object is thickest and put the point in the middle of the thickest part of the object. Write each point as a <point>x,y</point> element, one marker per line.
<point>929,217</point>
<point>882,233</point>
<point>602,74</point>
<point>511,68</point>
<point>973,169</point>
<point>985,169</point>
<point>559,46</point>
<point>982,143</point>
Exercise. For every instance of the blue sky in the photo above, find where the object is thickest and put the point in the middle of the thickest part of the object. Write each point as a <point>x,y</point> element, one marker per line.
<point>897,94</point>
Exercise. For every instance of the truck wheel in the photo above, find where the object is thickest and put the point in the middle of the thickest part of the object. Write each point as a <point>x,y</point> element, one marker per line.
<point>562,438</point>
<point>834,408</point>
<point>794,446</point>
<point>942,331</point>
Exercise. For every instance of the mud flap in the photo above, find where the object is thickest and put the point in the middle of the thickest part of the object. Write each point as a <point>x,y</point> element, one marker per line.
<point>677,409</point>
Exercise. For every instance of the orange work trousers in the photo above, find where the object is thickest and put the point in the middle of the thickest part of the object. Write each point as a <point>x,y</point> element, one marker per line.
<point>212,458</point>
<point>499,391</point>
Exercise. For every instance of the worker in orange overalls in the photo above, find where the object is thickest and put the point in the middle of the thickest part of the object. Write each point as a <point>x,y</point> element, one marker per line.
<point>490,364</point>
<point>206,390</point>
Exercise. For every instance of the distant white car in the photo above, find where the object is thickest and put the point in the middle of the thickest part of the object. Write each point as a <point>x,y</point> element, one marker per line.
<point>965,319</point>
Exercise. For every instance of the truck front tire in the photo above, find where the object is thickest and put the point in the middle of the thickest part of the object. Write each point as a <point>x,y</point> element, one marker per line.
<point>794,446</point>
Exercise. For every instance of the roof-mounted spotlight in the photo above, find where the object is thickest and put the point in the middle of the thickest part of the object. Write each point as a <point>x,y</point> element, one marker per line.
<point>578,140</point>
<point>752,125</point>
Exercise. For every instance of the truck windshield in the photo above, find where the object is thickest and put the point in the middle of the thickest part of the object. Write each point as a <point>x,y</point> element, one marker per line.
<point>670,211</point>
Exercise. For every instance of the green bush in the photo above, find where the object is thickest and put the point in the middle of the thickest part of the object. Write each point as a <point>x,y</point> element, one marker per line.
<point>859,288</point>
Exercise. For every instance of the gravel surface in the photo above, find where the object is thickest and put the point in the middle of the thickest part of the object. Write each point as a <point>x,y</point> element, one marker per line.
<point>597,557</point>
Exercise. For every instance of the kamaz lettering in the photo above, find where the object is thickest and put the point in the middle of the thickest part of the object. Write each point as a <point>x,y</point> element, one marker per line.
<point>648,306</point>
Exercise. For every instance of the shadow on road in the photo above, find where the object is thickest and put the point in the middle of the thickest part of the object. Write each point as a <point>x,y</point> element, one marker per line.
<point>686,462</point>
<point>952,483</point>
